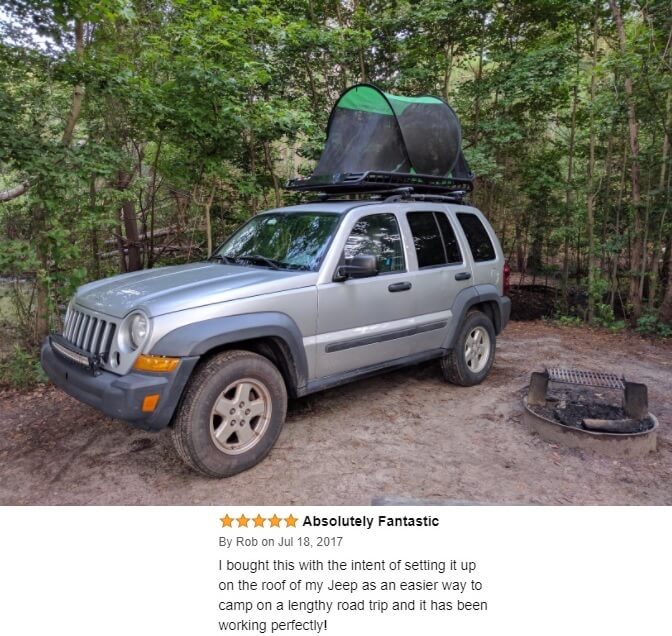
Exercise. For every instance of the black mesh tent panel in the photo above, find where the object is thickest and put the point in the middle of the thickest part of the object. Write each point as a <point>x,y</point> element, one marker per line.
<point>360,141</point>
<point>432,137</point>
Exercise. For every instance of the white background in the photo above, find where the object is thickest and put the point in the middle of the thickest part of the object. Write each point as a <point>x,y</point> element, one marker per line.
<point>151,570</point>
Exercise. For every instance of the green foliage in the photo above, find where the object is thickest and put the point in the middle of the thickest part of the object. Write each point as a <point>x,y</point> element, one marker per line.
<point>191,101</point>
<point>650,325</point>
<point>568,321</point>
<point>21,370</point>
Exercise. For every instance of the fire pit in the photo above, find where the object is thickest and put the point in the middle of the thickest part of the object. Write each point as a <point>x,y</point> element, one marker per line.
<point>579,412</point>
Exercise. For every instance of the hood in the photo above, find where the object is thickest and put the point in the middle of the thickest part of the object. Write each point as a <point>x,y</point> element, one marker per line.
<point>178,287</point>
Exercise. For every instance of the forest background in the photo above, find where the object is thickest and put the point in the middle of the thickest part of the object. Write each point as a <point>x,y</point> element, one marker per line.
<point>137,133</point>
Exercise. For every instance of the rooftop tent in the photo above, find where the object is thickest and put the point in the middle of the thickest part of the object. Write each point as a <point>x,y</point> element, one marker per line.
<point>377,140</point>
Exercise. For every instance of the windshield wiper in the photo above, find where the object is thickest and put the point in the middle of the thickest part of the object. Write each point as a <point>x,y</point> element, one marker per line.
<point>258,258</point>
<point>229,260</point>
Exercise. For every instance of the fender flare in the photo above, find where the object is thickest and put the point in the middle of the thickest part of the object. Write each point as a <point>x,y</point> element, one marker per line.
<point>469,297</point>
<point>198,338</point>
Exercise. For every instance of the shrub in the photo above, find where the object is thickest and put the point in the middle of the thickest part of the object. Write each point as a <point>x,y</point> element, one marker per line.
<point>651,326</point>
<point>21,370</point>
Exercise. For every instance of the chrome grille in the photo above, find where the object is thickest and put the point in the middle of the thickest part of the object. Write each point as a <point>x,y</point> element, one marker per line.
<point>88,332</point>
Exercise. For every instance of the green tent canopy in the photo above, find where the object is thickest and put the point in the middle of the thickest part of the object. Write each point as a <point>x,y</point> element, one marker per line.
<point>375,138</point>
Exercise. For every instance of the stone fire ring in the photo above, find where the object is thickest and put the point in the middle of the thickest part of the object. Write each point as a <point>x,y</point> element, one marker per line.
<point>609,444</point>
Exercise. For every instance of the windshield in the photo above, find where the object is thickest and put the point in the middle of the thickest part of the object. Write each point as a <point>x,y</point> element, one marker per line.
<point>281,241</point>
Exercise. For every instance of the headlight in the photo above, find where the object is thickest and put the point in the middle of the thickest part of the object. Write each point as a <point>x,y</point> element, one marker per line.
<point>137,330</point>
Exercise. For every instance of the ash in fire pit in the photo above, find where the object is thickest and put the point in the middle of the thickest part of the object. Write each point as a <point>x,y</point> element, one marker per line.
<point>586,409</point>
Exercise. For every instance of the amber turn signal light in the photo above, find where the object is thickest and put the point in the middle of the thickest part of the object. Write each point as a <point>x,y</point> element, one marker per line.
<point>157,364</point>
<point>150,402</point>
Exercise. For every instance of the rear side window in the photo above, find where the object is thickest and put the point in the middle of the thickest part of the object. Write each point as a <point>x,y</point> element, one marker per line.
<point>434,239</point>
<point>453,253</point>
<point>477,236</point>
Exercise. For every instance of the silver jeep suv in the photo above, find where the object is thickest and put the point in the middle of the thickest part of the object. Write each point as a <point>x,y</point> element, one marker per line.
<point>298,300</point>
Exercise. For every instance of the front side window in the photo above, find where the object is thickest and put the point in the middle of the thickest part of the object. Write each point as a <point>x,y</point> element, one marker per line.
<point>477,236</point>
<point>282,241</point>
<point>378,235</point>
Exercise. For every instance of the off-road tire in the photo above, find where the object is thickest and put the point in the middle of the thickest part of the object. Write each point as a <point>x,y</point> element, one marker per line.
<point>454,365</point>
<point>192,429</point>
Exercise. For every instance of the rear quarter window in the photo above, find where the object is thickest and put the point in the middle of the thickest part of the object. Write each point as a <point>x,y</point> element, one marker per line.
<point>477,237</point>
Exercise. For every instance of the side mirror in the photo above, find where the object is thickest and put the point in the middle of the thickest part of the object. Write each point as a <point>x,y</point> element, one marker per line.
<point>361,266</point>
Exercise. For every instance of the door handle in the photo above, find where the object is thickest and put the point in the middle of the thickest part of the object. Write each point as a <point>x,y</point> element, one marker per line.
<point>397,287</point>
<point>463,276</point>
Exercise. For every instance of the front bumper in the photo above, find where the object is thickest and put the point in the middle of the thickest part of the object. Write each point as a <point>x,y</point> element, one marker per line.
<point>120,396</point>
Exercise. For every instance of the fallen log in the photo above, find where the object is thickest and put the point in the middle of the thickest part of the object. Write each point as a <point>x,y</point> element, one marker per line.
<point>627,425</point>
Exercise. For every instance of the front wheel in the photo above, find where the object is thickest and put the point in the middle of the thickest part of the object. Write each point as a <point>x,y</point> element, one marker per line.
<point>231,415</point>
<point>474,353</point>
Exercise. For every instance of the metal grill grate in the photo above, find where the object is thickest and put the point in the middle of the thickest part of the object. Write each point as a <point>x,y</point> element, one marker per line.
<point>586,378</point>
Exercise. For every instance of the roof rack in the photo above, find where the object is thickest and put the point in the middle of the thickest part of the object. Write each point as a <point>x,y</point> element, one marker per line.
<point>398,194</point>
<point>378,182</point>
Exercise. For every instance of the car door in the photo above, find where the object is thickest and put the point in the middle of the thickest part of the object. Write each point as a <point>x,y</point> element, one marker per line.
<point>364,321</point>
<point>442,270</point>
<point>488,267</point>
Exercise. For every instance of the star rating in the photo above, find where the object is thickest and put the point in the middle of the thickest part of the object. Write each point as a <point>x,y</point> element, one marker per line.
<point>259,522</point>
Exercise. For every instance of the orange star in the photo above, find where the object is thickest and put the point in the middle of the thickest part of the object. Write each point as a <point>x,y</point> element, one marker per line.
<point>259,521</point>
<point>275,521</point>
<point>291,521</point>
<point>226,521</point>
<point>242,521</point>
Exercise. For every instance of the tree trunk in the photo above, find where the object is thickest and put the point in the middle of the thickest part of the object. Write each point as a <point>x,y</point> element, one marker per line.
<point>569,190</point>
<point>608,166</point>
<point>590,212</point>
<point>666,305</point>
<point>448,71</point>
<point>663,194</point>
<point>132,235</point>
<point>645,239</point>
<point>253,169</point>
<point>520,253</point>
<point>636,256</point>
<point>617,227</point>
<point>479,77</point>
<point>95,250</point>
<point>271,171</point>
<point>42,294</point>
<point>130,221</point>
<point>208,223</point>
<point>152,205</point>
<point>78,91</point>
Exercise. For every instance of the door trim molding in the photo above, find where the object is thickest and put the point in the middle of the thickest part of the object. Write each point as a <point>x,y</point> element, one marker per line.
<point>342,345</point>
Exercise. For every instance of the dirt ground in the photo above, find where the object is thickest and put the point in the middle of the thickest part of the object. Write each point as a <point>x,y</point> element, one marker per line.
<point>406,434</point>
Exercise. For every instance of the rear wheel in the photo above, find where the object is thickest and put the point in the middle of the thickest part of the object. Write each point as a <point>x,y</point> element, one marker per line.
<point>474,353</point>
<point>231,415</point>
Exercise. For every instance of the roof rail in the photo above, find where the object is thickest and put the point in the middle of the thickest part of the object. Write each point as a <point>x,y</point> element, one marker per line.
<point>454,197</point>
